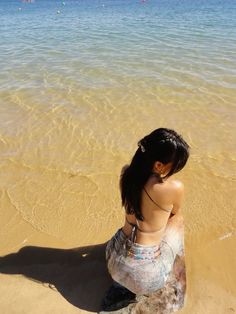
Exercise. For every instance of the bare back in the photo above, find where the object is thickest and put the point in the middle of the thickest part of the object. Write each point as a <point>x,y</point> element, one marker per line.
<point>157,203</point>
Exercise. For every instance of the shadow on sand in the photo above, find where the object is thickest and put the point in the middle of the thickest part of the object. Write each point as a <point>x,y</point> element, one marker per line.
<point>79,275</point>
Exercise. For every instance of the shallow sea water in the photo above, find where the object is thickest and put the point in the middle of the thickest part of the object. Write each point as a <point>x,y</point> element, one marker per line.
<point>81,82</point>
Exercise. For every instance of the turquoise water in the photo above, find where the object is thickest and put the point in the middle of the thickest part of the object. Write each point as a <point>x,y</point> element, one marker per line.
<point>183,44</point>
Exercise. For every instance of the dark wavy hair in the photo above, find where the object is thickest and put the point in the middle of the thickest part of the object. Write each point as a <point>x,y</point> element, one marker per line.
<point>164,145</point>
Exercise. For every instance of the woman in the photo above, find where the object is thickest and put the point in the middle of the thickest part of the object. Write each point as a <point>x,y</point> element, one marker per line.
<point>141,255</point>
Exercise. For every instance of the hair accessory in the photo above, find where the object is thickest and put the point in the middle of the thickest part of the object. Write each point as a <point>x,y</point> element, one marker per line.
<point>168,139</point>
<point>141,147</point>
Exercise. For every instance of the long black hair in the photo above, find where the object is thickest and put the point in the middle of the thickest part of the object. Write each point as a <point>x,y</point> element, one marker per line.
<point>164,145</point>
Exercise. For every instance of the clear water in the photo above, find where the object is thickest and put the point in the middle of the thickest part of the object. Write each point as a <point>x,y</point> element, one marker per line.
<point>185,43</point>
<point>80,83</point>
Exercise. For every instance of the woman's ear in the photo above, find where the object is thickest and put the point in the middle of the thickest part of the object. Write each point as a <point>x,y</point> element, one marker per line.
<point>157,166</point>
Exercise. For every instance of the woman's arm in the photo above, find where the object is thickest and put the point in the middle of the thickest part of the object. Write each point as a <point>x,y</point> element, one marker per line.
<point>178,198</point>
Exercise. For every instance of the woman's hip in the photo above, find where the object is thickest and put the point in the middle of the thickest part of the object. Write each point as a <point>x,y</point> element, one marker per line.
<point>141,269</point>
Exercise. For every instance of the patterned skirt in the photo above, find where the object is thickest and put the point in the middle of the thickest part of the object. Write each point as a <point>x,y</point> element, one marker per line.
<point>144,269</point>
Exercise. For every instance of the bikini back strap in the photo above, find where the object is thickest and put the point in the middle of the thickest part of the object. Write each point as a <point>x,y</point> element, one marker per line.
<point>136,227</point>
<point>132,236</point>
<point>131,224</point>
<point>167,210</point>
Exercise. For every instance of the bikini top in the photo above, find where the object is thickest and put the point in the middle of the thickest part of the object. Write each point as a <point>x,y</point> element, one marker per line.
<point>137,223</point>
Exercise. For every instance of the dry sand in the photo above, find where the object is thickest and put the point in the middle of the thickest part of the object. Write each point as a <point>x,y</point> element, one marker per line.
<point>49,277</point>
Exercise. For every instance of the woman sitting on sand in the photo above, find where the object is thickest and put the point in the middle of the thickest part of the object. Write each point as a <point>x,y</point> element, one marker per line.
<point>141,254</point>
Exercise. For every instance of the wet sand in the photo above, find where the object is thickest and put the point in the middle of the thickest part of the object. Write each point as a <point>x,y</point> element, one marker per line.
<point>41,280</point>
<point>57,201</point>
<point>77,91</point>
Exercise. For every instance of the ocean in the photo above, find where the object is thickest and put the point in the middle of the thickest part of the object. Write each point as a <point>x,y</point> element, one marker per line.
<point>81,82</point>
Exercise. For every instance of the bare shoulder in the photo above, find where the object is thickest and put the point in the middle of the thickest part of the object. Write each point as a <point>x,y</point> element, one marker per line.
<point>178,194</point>
<point>177,186</point>
<point>170,190</point>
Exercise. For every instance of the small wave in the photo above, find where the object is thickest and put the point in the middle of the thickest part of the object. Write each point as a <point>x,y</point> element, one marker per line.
<point>227,235</point>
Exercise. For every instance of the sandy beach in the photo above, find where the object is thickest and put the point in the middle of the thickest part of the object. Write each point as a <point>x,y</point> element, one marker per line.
<point>78,90</point>
<point>65,272</point>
